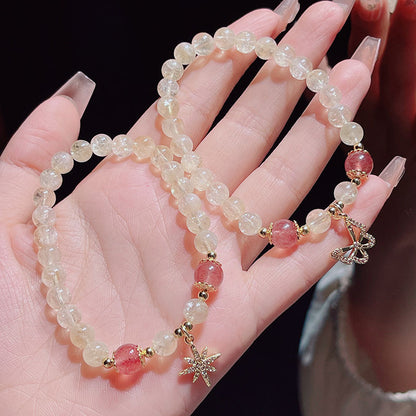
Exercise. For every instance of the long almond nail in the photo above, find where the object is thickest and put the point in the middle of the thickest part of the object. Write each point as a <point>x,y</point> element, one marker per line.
<point>347,5</point>
<point>392,5</point>
<point>288,9</point>
<point>79,89</point>
<point>367,52</point>
<point>371,10</point>
<point>394,171</point>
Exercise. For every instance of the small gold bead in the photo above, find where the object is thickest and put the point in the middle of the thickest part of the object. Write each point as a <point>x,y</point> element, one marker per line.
<point>359,146</point>
<point>340,204</point>
<point>203,294</point>
<point>332,210</point>
<point>263,232</point>
<point>109,362</point>
<point>178,332</point>
<point>304,229</point>
<point>211,255</point>
<point>356,181</point>
<point>188,326</point>
<point>149,352</point>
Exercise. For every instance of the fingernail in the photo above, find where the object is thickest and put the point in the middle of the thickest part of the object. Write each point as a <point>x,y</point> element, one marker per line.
<point>347,5</point>
<point>370,10</point>
<point>392,5</point>
<point>288,9</point>
<point>79,89</point>
<point>367,52</point>
<point>394,171</point>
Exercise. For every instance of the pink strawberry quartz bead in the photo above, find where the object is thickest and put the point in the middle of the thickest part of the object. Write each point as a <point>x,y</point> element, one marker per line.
<point>284,234</point>
<point>127,359</point>
<point>209,272</point>
<point>359,160</point>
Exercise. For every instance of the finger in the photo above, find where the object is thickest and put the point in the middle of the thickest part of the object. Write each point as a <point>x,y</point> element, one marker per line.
<point>51,127</point>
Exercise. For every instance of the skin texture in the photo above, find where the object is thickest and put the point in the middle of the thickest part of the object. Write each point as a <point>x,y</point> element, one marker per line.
<point>122,284</point>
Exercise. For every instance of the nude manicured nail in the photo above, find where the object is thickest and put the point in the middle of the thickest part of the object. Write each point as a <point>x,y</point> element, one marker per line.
<point>367,52</point>
<point>79,89</point>
<point>347,5</point>
<point>392,5</point>
<point>288,9</point>
<point>394,171</point>
<point>371,10</point>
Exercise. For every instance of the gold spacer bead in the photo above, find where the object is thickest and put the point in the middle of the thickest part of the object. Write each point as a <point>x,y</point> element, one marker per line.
<point>109,363</point>
<point>332,210</point>
<point>356,181</point>
<point>211,255</point>
<point>149,352</point>
<point>188,326</point>
<point>203,294</point>
<point>178,332</point>
<point>263,232</point>
<point>304,230</point>
<point>359,146</point>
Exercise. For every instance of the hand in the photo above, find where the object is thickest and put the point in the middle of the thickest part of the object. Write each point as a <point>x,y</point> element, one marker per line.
<point>129,260</point>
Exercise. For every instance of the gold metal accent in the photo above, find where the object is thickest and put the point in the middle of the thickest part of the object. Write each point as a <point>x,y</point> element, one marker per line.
<point>178,332</point>
<point>109,362</point>
<point>149,352</point>
<point>356,181</point>
<point>358,146</point>
<point>304,229</point>
<point>353,174</point>
<point>263,232</point>
<point>211,255</point>
<point>205,286</point>
<point>187,326</point>
<point>204,295</point>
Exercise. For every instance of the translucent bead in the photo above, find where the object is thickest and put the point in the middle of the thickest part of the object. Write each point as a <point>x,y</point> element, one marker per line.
<point>206,242</point>
<point>351,133</point>
<point>122,145</point>
<point>283,55</point>
<point>339,115</point>
<point>203,43</point>
<point>62,162</point>
<point>209,272</point>
<point>265,47</point>
<point>49,256</point>
<point>172,69</point>
<point>233,208</point>
<point>224,38</point>
<point>198,222</point>
<point>171,172</point>
<point>329,96</point>
<point>68,316</point>
<point>127,358</point>
<point>189,204</point>
<point>172,127</point>
<point>81,151</point>
<point>245,42</point>
<point>57,297</point>
<point>168,107</point>
<point>81,335</point>
<point>346,192</point>
<point>316,80</point>
<point>181,187</point>
<point>101,145</point>
<point>161,155</point>
<point>284,234</point>
<point>217,193</point>
<point>43,215</point>
<point>43,196</point>
<point>143,147</point>
<point>45,235</point>
<point>249,223</point>
<point>167,87</point>
<point>184,53</point>
<point>300,67</point>
<point>164,343</point>
<point>201,178</point>
<point>191,161</point>
<point>195,311</point>
<point>181,144</point>
<point>359,161</point>
<point>50,179</point>
<point>318,221</point>
<point>95,353</point>
<point>53,276</point>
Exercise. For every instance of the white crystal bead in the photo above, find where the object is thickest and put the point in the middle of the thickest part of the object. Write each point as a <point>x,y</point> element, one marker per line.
<point>172,69</point>
<point>95,353</point>
<point>339,115</point>
<point>143,147</point>
<point>265,48</point>
<point>300,67</point>
<point>45,235</point>
<point>233,208</point>
<point>346,192</point>
<point>329,96</point>
<point>43,196</point>
<point>57,297</point>
<point>224,38</point>
<point>161,155</point>
<point>50,179</point>
<point>351,133</point>
<point>101,145</point>
<point>201,178</point>
<point>283,55</point>
<point>189,204</point>
<point>43,215</point>
<point>181,187</point>
<point>81,151</point>
<point>181,144</point>
<point>164,343</point>
<point>318,221</point>
<point>191,161</point>
<point>168,107</point>
<point>245,42</point>
<point>316,80</point>
<point>203,43</point>
<point>49,256</point>
<point>171,172</point>
<point>62,162</point>
<point>172,127</point>
<point>184,53</point>
<point>206,242</point>
<point>53,276</point>
<point>195,311</point>
<point>249,223</point>
<point>122,145</point>
<point>217,193</point>
<point>68,316</point>
<point>197,222</point>
<point>81,335</point>
<point>167,87</point>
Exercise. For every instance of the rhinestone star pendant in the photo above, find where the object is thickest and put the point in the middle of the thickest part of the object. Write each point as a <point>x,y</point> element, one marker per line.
<point>200,364</point>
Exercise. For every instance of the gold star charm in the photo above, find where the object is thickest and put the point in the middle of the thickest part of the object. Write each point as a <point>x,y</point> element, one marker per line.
<point>200,364</point>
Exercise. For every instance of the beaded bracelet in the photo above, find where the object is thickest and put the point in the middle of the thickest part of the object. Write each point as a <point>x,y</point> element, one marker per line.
<point>183,176</point>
